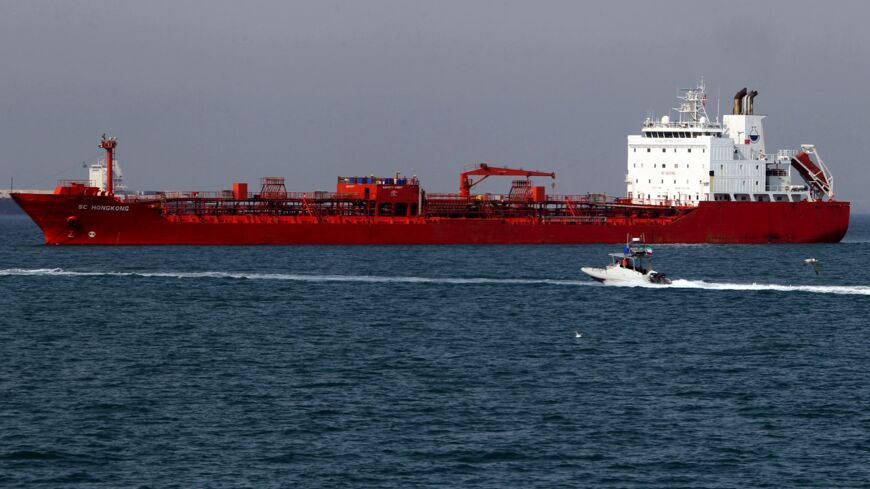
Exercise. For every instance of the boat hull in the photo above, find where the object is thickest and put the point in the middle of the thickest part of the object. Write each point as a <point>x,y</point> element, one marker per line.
<point>103,220</point>
<point>615,274</point>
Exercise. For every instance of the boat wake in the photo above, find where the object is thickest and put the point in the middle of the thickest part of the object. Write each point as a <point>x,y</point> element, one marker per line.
<point>294,277</point>
<point>676,284</point>
<point>702,285</point>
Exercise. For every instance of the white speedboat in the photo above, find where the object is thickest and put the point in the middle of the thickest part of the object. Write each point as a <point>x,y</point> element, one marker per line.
<point>634,264</point>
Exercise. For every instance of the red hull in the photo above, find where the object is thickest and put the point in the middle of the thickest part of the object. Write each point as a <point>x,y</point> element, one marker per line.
<point>108,221</point>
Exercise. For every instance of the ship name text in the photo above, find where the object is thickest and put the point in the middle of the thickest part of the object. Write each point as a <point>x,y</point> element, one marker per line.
<point>98,207</point>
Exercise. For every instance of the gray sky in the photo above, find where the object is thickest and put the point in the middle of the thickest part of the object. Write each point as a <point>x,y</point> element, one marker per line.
<point>201,94</point>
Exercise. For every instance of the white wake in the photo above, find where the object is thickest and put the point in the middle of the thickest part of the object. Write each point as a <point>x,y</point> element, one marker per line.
<point>58,272</point>
<point>677,284</point>
<point>702,285</point>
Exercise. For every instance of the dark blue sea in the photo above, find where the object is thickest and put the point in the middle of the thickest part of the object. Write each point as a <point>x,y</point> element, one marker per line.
<point>431,366</point>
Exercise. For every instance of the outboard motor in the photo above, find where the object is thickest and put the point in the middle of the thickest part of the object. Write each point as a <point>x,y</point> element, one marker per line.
<point>658,278</point>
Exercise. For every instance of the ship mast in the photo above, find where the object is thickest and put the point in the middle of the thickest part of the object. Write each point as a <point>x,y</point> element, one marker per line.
<point>109,144</point>
<point>693,109</point>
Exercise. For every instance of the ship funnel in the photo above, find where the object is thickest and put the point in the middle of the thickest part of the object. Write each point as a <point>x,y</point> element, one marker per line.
<point>738,102</point>
<point>750,102</point>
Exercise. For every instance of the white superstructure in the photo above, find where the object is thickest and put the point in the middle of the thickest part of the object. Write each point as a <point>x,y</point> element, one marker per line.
<point>97,176</point>
<point>693,159</point>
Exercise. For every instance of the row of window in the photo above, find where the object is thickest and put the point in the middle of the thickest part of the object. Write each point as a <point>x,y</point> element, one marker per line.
<point>665,197</point>
<point>760,197</point>
<point>664,165</point>
<point>678,134</point>
<point>665,150</point>
<point>637,180</point>
<point>721,197</point>
<point>722,167</point>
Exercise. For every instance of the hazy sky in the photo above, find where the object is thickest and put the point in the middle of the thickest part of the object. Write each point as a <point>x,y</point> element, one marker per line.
<point>203,93</point>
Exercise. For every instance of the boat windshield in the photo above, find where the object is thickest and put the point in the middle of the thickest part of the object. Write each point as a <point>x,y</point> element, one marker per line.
<point>624,261</point>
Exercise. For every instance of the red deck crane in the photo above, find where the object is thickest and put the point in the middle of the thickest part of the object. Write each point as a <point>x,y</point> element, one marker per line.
<point>484,171</point>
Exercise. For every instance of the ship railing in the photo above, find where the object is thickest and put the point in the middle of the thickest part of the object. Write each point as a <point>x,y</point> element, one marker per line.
<point>579,219</point>
<point>188,195</point>
<point>554,198</point>
<point>70,183</point>
<point>320,195</point>
<point>581,199</point>
<point>682,125</point>
<point>434,196</point>
<point>228,195</point>
<point>786,188</point>
<point>782,156</point>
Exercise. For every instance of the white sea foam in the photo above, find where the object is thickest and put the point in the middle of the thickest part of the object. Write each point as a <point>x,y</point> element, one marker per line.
<point>817,289</point>
<point>293,277</point>
<point>677,284</point>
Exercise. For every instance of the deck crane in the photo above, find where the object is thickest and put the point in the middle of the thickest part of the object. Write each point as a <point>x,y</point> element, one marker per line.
<point>483,171</point>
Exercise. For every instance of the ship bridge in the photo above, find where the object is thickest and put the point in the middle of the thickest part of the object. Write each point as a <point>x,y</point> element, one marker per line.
<point>695,158</point>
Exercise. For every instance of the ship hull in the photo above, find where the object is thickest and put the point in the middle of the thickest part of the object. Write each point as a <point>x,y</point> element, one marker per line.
<point>102,220</point>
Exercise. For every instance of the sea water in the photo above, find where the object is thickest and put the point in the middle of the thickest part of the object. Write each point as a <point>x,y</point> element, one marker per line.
<point>451,366</point>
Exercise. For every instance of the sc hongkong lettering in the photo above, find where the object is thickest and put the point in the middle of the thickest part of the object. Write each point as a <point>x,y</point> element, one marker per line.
<point>111,208</point>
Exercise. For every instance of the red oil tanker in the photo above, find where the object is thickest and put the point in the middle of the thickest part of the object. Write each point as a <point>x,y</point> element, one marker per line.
<point>689,181</point>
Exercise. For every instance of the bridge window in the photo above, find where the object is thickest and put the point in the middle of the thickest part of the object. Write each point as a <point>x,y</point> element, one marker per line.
<point>689,150</point>
<point>648,150</point>
<point>663,150</point>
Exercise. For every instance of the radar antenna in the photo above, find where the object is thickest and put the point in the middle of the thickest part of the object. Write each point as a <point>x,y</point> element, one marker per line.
<point>694,106</point>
